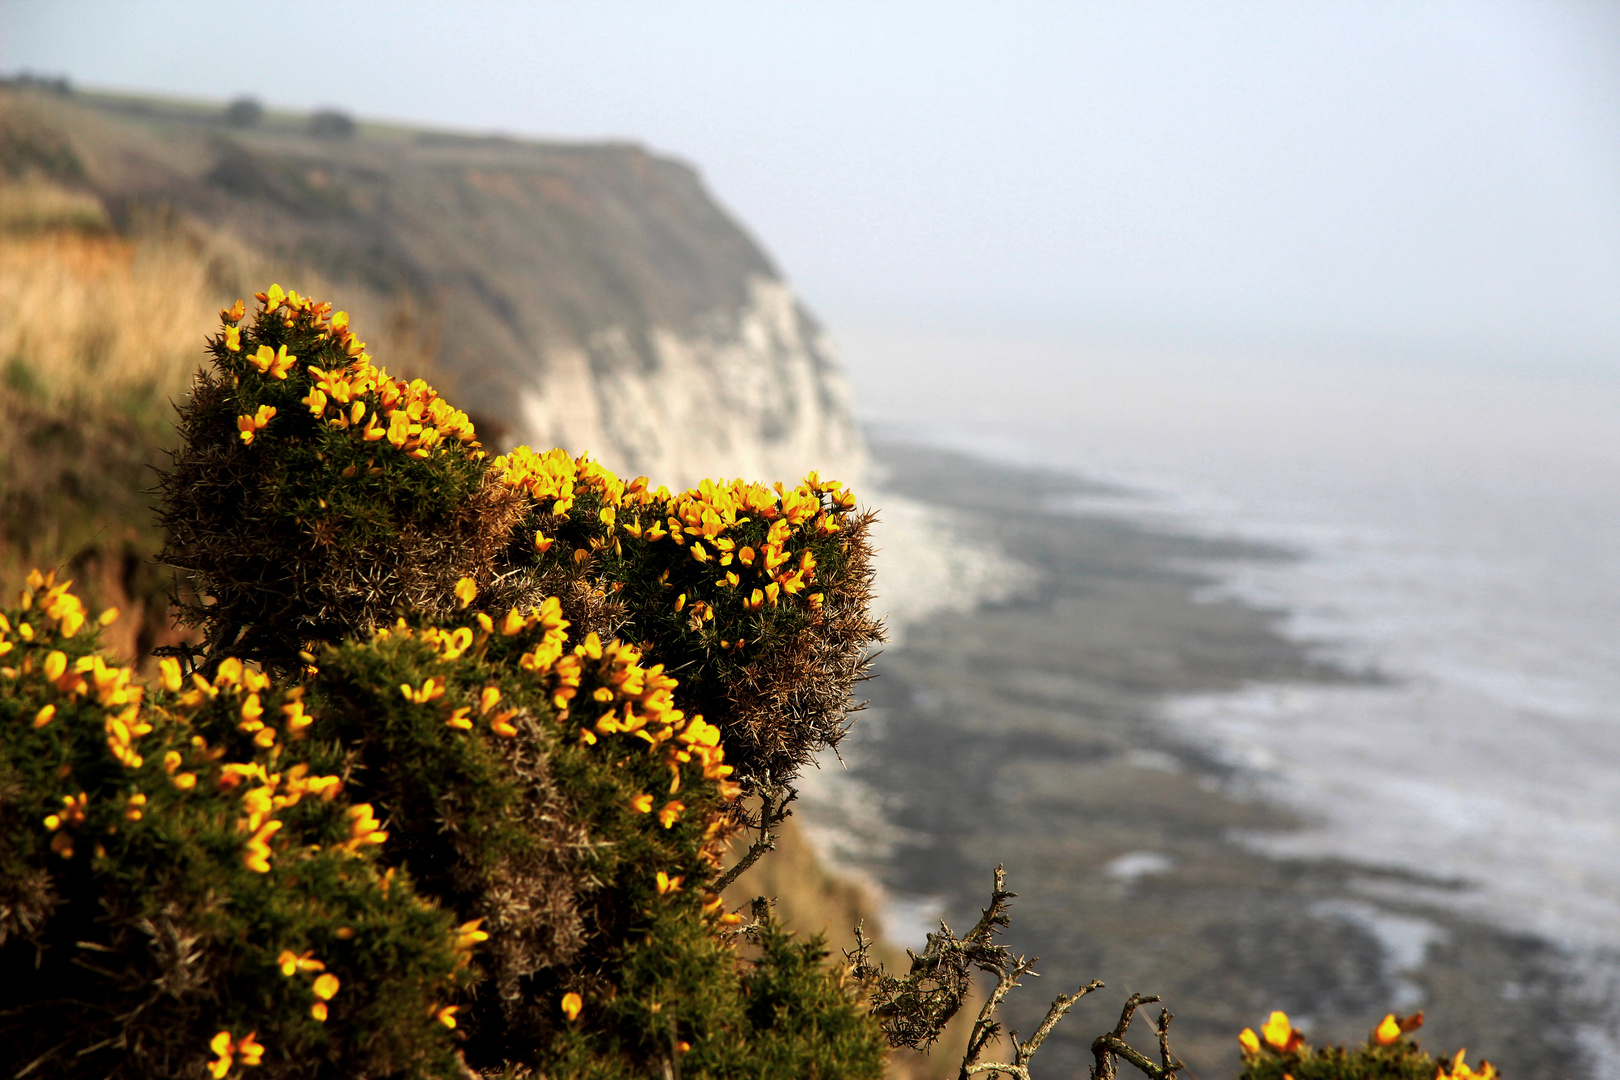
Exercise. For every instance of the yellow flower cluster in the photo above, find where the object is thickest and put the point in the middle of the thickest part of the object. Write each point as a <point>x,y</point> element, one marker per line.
<point>75,808</point>
<point>636,700</point>
<point>243,685</point>
<point>1278,1033</point>
<point>248,425</point>
<point>229,1051</point>
<point>112,688</point>
<point>356,396</point>
<point>325,986</point>
<point>468,937</point>
<point>1392,1027</point>
<point>364,828</point>
<point>698,518</point>
<point>548,619</point>
<point>549,477</point>
<point>1458,1069</point>
<point>274,791</point>
<point>639,702</point>
<point>236,679</point>
<point>52,599</point>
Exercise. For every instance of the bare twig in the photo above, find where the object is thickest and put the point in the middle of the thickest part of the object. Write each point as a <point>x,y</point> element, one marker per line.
<point>1022,1052</point>
<point>1112,1046</point>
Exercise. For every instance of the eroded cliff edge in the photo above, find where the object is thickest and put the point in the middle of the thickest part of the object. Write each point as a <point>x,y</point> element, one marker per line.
<point>593,297</point>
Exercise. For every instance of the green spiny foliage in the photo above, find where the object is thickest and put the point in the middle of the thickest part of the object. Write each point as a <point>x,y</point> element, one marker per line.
<point>402,815</point>
<point>779,1014</point>
<point>305,513</point>
<point>152,886</point>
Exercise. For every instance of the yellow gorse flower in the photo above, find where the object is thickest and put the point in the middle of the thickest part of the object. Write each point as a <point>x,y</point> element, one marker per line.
<point>169,674</point>
<point>364,828</point>
<point>418,422</point>
<point>44,593</point>
<point>1279,1033</point>
<point>1460,1070</point>
<point>292,963</point>
<point>275,363</point>
<point>229,1051</point>
<point>468,937</point>
<point>250,426</point>
<point>431,690</point>
<point>572,1003</point>
<point>256,854</point>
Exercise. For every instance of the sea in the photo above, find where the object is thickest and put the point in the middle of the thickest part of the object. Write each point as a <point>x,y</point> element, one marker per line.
<point>1456,530</point>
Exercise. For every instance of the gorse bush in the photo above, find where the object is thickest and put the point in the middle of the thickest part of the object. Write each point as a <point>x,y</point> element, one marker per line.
<point>430,796</point>
<point>315,497</point>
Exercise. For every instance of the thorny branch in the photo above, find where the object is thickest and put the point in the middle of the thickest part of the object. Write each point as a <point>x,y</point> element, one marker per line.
<point>914,1010</point>
<point>774,800</point>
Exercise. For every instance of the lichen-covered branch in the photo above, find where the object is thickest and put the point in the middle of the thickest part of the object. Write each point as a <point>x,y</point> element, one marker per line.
<point>1022,1052</point>
<point>915,1009</point>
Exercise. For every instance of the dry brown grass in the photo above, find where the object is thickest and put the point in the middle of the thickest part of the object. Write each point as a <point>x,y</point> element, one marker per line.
<point>99,332</point>
<point>33,206</point>
<point>91,318</point>
<point>88,318</point>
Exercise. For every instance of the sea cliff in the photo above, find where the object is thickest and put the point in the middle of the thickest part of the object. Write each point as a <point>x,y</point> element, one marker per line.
<point>594,297</point>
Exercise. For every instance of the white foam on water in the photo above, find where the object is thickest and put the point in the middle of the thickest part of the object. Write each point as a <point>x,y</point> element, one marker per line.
<point>1135,865</point>
<point>1459,535</point>
<point>933,567</point>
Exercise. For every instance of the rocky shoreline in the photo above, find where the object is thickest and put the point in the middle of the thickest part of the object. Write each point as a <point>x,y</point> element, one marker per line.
<point>1025,733</point>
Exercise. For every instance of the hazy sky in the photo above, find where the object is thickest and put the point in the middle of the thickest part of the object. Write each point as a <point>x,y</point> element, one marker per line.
<point>1436,178</point>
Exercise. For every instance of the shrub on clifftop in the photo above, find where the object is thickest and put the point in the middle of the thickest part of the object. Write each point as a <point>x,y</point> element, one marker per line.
<point>429,793</point>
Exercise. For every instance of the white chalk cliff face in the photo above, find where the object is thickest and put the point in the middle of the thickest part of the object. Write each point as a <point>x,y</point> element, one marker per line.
<point>593,297</point>
<point>752,391</point>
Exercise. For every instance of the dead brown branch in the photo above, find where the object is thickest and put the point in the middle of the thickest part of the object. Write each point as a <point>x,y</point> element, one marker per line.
<point>773,810</point>
<point>914,1010</point>
<point>1110,1047</point>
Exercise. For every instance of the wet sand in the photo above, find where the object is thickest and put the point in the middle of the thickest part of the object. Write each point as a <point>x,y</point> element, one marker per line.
<point>1025,734</point>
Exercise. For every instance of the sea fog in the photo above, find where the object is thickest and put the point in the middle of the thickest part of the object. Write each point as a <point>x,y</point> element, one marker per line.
<point>1457,533</point>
